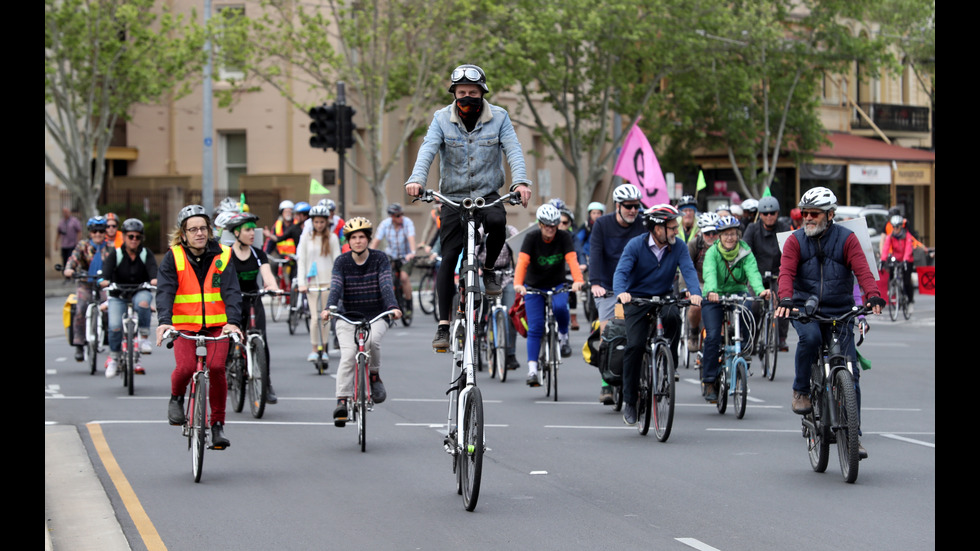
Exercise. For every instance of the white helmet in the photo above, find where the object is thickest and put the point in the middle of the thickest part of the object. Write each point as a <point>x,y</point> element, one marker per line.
<point>819,198</point>
<point>626,192</point>
<point>750,204</point>
<point>287,204</point>
<point>548,215</point>
<point>708,221</point>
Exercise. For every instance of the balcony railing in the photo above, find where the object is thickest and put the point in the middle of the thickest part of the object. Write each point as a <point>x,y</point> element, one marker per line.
<point>906,118</point>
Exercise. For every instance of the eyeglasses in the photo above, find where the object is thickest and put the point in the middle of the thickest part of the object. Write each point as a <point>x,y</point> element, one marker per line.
<point>673,228</point>
<point>469,72</point>
<point>396,216</point>
<point>135,237</point>
<point>564,222</point>
<point>630,206</point>
<point>112,226</point>
<point>811,213</point>
<point>99,230</point>
<point>201,229</point>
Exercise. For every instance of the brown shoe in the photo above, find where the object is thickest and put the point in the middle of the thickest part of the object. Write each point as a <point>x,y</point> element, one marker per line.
<point>574,322</point>
<point>801,403</point>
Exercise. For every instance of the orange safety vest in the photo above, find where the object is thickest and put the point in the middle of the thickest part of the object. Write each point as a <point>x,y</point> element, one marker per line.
<point>195,307</point>
<point>287,246</point>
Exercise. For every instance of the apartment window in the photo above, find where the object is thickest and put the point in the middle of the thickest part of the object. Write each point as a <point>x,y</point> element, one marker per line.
<point>230,65</point>
<point>233,162</point>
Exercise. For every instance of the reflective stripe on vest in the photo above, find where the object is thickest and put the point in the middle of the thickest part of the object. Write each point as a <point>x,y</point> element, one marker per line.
<point>287,246</point>
<point>194,306</point>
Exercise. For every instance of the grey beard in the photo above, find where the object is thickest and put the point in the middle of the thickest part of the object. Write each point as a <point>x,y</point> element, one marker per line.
<point>812,231</point>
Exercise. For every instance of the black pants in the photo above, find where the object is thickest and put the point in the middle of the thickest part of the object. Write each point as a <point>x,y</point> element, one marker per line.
<point>638,321</point>
<point>452,233</point>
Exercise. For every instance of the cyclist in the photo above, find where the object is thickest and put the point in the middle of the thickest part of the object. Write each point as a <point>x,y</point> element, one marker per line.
<point>198,291</point>
<point>688,208</point>
<point>750,210</point>
<point>132,264</point>
<point>251,262</point>
<point>593,212</point>
<point>470,136</point>
<point>113,238</point>
<point>285,220</point>
<point>646,269</point>
<point>541,265</point>
<point>87,257</point>
<point>336,222</point>
<point>795,219</point>
<point>729,267</point>
<point>761,238</point>
<point>398,231</point>
<point>818,260</point>
<point>361,280</point>
<point>900,243</point>
<point>697,247</point>
<point>315,256</point>
<point>610,233</point>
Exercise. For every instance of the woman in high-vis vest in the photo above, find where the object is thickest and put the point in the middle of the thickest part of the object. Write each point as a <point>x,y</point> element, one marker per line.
<point>198,292</point>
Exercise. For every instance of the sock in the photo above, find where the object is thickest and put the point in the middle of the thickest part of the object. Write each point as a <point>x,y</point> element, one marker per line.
<point>532,367</point>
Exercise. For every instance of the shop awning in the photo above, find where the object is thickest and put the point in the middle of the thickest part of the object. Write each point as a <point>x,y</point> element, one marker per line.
<point>847,146</point>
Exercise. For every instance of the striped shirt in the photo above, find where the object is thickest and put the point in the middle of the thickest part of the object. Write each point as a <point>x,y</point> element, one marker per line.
<point>365,288</point>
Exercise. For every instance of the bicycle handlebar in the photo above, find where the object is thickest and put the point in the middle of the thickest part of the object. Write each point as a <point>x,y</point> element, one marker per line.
<point>343,316</point>
<point>263,292</point>
<point>660,301</point>
<point>823,318</point>
<point>173,334</point>
<point>564,287</point>
<point>430,195</point>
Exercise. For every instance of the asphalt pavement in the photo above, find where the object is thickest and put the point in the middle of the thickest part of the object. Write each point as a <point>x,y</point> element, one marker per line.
<point>78,514</point>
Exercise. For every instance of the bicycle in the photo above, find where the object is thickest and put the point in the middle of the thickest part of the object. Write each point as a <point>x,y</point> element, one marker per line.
<point>550,356</point>
<point>322,363</point>
<point>281,303</point>
<point>396,269</point>
<point>248,370</point>
<point>834,417</point>
<point>656,392</point>
<point>362,360</point>
<point>465,439</point>
<point>495,336</point>
<point>733,369</point>
<point>299,309</point>
<point>96,321</point>
<point>768,331</point>
<point>130,324</point>
<point>197,414</point>
<point>428,299</point>
<point>897,300</point>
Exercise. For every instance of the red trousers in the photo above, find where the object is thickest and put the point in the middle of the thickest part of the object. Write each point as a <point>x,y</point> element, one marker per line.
<point>185,356</point>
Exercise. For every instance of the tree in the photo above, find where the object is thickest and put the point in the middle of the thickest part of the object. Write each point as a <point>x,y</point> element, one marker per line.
<point>393,55</point>
<point>588,61</point>
<point>911,26</point>
<point>757,94</point>
<point>100,58</point>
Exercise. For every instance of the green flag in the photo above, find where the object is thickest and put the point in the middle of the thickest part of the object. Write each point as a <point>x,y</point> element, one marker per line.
<point>316,188</point>
<point>701,182</point>
<point>241,203</point>
<point>767,193</point>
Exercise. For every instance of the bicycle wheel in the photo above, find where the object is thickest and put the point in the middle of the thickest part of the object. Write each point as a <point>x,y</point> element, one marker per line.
<point>258,388</point>
<point>94,336</point>
<point>770,346</point>
<point>617,397</point>
<point>277,304</point>
<point>362,382</point>
<point>237,374</point>
<point>663,390</point>
<point>817,444</point>
<point>893,293</point>
<point>198,434</point>
<point>644,393</point>
<point>741,388</point>
<point>555,362</point>
<point>471,456</point>
<point>906,307</point>
<point>131,355</point>
<point>403,306</point>
<point>723,389</point>
<point>500,343</point>
<point>306,313</point>
<point>427,294</point>
<point>845,404</point>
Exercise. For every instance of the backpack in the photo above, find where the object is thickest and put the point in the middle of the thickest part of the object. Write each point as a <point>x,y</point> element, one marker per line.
<point>590,350</point>
<point>518,316</point>
<point>612,353</point>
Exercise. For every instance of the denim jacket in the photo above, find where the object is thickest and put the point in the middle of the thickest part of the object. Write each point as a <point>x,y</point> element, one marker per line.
<point>470,163</point>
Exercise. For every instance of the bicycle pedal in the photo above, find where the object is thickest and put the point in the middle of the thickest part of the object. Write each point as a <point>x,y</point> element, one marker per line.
<point>340,423</point>
<point>440,350</point>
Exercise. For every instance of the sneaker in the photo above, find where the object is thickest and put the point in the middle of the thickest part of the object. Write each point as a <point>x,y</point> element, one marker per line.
<point>110,368</point>
<point>340,413</point>
<point>218,440</point>
<point>566,349</point>
<point>573,322</point>
<point>801,403</point>
<point>175,410</point>
<point>532,379</point>
<point>511,362</point>
<point>139,370</point>
<point>692,344</point>
<point>270,397</point>
<point>145,346</point>
<point>490,282</point>
<point>629,413</point>
<point>79,353</point>
<point>442,337</point>
<point>606,396</point>
<point>378,393</point>
<point>862,453</point>
<point>783,347</point>
<point>710,391</point>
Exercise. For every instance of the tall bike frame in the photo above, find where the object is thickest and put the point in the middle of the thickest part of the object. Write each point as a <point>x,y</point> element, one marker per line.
<point>198,414</point>
<point>733,370</point>
<point>96,321</point>
<point>897,299</point>
<point>496,333</point>
<point>362,402</point>
<point>130,325</point>
<point>465,439</point>
<point>768,330</point>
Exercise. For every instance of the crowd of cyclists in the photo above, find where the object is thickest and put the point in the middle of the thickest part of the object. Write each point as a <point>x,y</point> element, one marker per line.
<point>629,250</point>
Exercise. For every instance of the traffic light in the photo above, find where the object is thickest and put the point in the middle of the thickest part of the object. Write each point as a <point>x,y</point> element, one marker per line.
<point>323,127</point>
<point>347,126</point>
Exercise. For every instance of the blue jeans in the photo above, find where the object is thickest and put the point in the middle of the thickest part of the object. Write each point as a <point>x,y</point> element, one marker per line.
<point>534,305</point>
<point>811,339</point>
<point>117,309</point>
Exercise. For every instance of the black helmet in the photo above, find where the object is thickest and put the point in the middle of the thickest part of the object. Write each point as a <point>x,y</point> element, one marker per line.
<point>132,225</point>
<point>468,74</point>
<point>395,208</point>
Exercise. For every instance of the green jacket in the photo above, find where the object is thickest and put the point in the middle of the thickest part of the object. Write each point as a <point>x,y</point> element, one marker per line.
<point>723,279</point>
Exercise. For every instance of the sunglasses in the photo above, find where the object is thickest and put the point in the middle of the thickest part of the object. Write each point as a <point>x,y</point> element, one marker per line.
<point>632,206</point>
<point>768,213</point>
<point>135,237</point>
<point>112,226</point>
<point>811,213</point>
<point>469,73</point>
<point>96,231</point>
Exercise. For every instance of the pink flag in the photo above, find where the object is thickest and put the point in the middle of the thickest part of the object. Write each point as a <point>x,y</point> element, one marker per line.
<point>638,164</point>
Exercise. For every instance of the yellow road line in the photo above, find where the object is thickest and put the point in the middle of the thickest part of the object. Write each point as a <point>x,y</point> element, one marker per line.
<point>143,524</point>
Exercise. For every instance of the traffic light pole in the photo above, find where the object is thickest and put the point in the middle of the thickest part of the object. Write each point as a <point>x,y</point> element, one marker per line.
<point>333,128</point>
<point>341,103</point>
